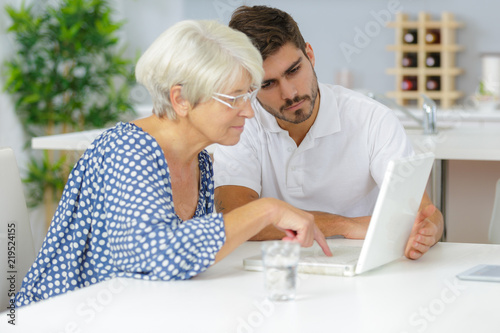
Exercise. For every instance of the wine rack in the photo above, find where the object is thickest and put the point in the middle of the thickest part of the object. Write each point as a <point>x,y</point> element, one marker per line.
<point>425,52</point>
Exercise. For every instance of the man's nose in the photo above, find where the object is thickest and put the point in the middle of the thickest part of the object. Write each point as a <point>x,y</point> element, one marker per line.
<point>288,90</point>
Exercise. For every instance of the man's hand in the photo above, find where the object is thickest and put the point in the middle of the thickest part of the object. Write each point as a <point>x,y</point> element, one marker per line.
<point>424,234</point>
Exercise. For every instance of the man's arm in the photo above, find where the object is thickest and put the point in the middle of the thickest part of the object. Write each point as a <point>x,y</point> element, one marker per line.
<point>229,197</point>
<point>349,227</point>
<point>427,229</point>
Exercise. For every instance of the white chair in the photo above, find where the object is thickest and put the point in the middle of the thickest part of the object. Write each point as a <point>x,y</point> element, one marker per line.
<point>494,232</point>
<point>16,242</point>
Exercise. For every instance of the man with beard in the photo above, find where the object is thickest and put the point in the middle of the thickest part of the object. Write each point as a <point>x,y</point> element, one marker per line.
<point>319,147</point>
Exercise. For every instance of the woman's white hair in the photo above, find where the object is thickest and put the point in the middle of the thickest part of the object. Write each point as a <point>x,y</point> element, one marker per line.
<point>203,56</point>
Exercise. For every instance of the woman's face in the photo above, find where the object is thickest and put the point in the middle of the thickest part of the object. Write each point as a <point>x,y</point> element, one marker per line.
<point>219,123</point>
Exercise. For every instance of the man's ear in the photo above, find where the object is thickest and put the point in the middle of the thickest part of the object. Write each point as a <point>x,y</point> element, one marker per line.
<point>310,53</point>
<point>180,105</point>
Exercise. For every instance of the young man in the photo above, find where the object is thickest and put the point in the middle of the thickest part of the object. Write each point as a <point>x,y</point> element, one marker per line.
<point>321,148</point>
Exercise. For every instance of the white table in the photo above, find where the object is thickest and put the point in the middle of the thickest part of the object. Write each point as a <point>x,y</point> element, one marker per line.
<point>68,141</point>
<point>461,143</point>
<point>78,141</point>
<point>403,296</point>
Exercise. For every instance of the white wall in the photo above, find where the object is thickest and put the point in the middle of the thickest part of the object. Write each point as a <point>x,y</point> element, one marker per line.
<point>326,24</point>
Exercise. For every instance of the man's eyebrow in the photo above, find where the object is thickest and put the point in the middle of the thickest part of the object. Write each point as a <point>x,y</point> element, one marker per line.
<point>292,66</point>
<point>288,70</point>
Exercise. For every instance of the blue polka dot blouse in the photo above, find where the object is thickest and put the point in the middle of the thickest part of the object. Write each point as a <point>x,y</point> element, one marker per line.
<point>116,219</point>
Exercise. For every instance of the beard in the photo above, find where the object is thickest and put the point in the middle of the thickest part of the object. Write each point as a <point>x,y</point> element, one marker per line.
<point>299,115</point>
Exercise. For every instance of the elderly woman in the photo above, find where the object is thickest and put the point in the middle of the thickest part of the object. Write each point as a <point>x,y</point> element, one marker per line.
<point>139,203</point>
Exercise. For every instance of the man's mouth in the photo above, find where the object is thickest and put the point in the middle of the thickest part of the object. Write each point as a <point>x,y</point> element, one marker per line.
<point>295,106</point>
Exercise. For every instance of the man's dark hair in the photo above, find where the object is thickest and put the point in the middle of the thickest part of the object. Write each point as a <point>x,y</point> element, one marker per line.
<point>268,28</point>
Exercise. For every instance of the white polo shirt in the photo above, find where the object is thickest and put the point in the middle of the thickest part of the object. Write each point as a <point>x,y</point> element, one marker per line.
<point>338,167</point>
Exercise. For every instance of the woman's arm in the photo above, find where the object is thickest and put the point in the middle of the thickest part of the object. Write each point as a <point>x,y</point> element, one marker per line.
<point>244,222</point>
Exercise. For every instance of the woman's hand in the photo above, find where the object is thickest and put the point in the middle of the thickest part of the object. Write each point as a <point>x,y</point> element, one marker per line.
<point>299,226</point>
<point>244,222</point>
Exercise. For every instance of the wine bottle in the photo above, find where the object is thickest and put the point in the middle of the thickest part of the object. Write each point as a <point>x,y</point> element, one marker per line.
<point>409,60</point>
<point>433,60</point>
<point>432,37</point>
<point>409,83</point>
<point>410,37</point>
<point>433,83</point>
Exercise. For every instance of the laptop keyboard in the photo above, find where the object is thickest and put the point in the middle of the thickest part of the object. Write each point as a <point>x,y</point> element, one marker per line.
<point>341,255</point>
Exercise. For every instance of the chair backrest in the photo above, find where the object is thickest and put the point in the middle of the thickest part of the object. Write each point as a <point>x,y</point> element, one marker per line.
<point>16,241</point>
<point>494,232</point>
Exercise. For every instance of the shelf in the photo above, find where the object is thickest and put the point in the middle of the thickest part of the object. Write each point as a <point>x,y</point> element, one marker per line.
<point>425,70</point>
<point>427,24</point>
<point>417,77</point>
<point>416,94</point>
<point>426,48</point>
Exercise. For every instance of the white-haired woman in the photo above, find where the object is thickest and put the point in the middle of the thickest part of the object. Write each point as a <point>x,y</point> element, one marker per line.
<point>139,203</point>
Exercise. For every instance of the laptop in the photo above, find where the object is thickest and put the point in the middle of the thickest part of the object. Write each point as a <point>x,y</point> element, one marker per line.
<point>16,243</point>
<point>392,220</point>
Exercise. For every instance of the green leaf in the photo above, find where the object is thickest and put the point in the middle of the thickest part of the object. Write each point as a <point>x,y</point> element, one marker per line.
<point>66,71</point>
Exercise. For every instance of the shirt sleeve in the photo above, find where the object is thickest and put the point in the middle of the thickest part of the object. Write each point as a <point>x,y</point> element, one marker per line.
<point>240,164</point>
<point>146,238</point>
<point>388,140</point>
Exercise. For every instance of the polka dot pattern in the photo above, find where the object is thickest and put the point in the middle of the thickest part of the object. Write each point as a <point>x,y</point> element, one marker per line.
<point>116,219</point>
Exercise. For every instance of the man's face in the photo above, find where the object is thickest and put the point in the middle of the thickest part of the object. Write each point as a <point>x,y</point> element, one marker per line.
<point>290,86</point>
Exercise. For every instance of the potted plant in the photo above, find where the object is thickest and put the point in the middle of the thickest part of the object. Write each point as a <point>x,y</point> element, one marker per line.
<point>67,75</point>
<point>484,99</point>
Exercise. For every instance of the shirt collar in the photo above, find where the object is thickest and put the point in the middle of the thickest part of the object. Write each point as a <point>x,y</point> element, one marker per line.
<point>327,121</point>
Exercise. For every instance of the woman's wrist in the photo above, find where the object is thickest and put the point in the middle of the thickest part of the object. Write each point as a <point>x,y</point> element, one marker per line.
<point>269,210</point>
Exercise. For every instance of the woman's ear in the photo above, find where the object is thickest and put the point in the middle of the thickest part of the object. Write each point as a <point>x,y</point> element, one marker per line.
<point>180,105</point>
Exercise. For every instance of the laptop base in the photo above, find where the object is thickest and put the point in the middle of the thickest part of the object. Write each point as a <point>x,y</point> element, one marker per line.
<point>343,262</point>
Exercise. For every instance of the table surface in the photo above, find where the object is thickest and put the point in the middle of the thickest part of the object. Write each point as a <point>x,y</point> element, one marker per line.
<point>73,141</point>
<point>461,143</point>
<point>455,143</point>
<point>403,296</point>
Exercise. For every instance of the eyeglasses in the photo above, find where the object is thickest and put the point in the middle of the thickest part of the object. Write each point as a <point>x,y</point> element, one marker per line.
<point>236,102</point>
